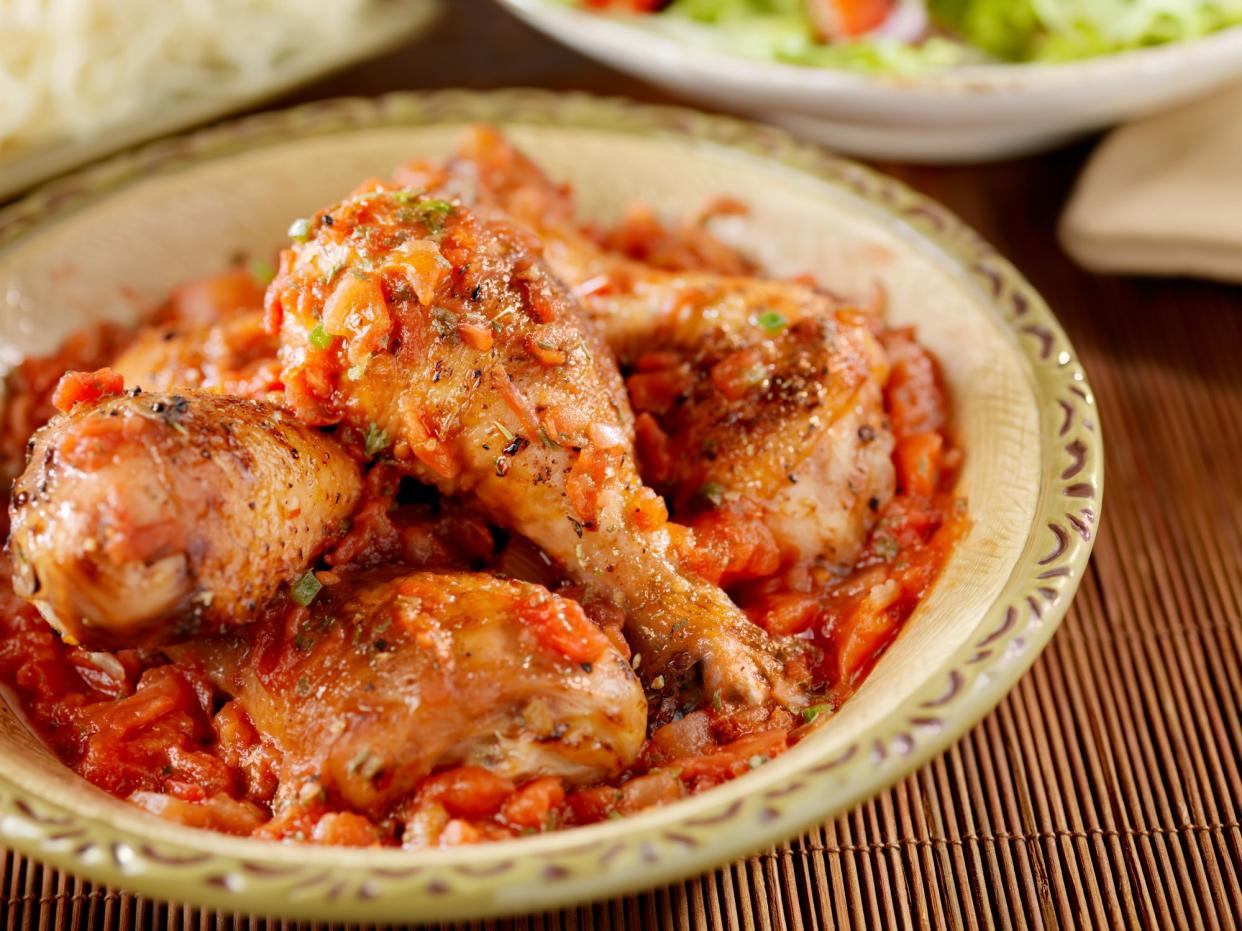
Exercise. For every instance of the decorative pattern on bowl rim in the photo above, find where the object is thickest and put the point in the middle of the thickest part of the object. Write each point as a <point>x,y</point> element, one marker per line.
<point>649,849</point>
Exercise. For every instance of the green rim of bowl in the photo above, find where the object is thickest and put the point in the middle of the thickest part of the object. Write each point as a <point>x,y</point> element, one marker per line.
<point>801,788</point>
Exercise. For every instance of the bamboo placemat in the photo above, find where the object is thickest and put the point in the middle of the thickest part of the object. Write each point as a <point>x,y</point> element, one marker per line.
<point>1105,791</point>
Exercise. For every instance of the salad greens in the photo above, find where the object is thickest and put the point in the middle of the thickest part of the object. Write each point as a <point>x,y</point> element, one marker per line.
<point>956,32</point>
<point>1062,30</point>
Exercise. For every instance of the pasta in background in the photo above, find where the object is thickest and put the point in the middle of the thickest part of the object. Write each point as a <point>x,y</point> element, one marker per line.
<point>69,68</point>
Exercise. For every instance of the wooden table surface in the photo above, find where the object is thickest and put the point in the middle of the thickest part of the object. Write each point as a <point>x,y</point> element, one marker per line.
<point>1105,791</point>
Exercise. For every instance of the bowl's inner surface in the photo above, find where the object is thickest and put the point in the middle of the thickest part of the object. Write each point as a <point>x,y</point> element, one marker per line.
<point>124,253</point>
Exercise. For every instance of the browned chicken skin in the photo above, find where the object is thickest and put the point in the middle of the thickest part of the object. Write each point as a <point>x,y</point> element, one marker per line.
<point>441,336</point>
<point>780,388</point>
<point>234,356</point>
<point>151,517</point>
<point>391,675</point>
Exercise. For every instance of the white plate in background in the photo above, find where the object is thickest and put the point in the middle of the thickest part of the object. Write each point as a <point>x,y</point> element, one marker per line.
<point>391,25</point>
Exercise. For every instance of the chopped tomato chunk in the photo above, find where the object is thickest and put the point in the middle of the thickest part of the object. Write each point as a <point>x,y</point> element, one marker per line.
<point>915,395</point>
<point>346,829</point>
<point>731,544</point>
<point>467,791</point>
<point>784,613</point>
<point>84,387</point>
<point>739,757</point>
<point>737,375</point>
<point>209,299</point>
<point>846,19</point>
<point>535,804</point>
<point>561,625</point>
<point>918,463</point>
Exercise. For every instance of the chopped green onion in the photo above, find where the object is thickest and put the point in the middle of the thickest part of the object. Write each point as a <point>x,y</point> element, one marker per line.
<point>305,589</point>
<point>503,431</point>
<point>406,195</point>
<point>432,213</point>
<point>713,493</point>
<point>261,271</point>
<point>299,229</point>
<point>432,207</point>
<point>320,338</point>
<point>810,714</point>
<point>376,440</point>
<point>771,321</point>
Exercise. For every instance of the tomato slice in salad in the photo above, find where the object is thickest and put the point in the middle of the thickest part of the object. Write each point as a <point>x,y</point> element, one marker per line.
<point>627,6</point>
<point>847,19</point>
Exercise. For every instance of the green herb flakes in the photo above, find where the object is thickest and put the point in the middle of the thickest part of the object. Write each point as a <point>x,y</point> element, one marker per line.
<point>772,321</point>
<point>305,589</point>
<point>810,714</point>
<point>434,212</point>
<point>376,440</point>
<point>320,338</point>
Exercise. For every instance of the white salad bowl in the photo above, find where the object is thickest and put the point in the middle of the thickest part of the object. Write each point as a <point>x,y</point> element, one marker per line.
<point>963,114</point>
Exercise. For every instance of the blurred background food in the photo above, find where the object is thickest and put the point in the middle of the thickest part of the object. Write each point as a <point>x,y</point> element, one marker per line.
<point>915,80</point>
<point>908,36</point>
<point>80,77</point>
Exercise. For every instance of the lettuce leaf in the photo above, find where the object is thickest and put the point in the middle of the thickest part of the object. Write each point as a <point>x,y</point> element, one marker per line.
<point>779,30</point>
<point>1063,30</point>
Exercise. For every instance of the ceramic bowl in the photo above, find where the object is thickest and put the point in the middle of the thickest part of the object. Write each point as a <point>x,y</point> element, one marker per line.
<point>112,241</point>
<point>389,26</point>
<point>964,114</point>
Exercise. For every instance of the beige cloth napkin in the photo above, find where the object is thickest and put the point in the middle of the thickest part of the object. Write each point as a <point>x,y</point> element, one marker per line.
<point>1163,196</point>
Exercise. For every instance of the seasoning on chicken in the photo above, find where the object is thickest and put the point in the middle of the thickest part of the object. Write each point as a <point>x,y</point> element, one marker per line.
<point>390,675</point>
<point>144,518</point>
<point>437,337</point>
<point>234,356</point>
<point>762,395</point>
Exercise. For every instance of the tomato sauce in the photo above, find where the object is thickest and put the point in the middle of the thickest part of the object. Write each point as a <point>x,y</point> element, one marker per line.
<point>141,726</point>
